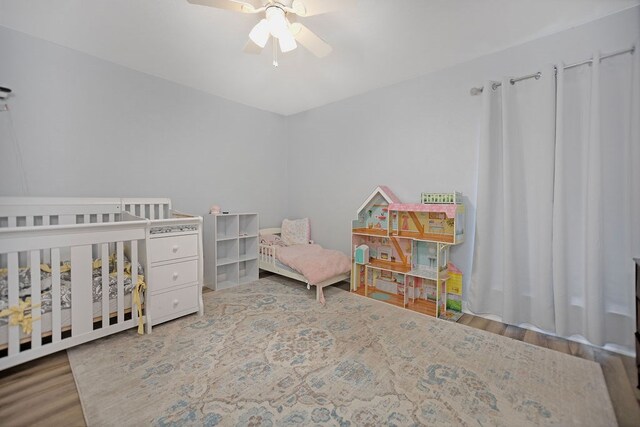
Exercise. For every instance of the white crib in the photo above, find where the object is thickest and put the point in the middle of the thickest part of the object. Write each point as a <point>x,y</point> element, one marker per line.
<point>90,235</point>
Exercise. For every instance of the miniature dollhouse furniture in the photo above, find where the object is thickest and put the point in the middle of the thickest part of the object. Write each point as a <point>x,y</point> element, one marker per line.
<point>56,254</point>
<point>408,249</point>
<point>269,262</point>
<point>232,250</point>
<point>361,255</point>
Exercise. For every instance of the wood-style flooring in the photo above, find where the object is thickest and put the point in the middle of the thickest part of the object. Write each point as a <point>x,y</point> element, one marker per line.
<point>43,392</point>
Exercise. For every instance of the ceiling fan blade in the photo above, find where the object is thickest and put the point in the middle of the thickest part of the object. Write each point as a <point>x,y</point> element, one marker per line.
<point>252,48</point>
<point>310,40</point>
<point>235,5</point>
<point>316,7</point>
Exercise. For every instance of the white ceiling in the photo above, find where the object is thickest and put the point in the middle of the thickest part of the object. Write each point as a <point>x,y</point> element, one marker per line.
<point>376,43</point>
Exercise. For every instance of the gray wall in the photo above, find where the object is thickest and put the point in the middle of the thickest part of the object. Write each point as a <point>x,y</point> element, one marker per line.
<point>87,127</point>
<point>419,135</point>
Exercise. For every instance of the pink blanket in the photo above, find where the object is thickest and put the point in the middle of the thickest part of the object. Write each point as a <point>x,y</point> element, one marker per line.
<point>314,262</point>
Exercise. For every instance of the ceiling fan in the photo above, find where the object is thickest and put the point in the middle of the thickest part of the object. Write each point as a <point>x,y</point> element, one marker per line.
<point>280,22</point>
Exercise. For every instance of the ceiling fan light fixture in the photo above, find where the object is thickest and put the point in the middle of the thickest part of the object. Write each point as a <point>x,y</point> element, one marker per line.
<point>277,22</point>
<point>260,33</point>
<point>287,42</point>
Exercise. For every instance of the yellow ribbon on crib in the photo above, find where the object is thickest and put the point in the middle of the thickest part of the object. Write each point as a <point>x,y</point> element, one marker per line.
<point>138,302</point>
<point>18,317</point>
<point>64,267</point>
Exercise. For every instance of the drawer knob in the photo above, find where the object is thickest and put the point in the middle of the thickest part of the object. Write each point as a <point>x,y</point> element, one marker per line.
<point>175,275</point>
<point>175,248</point>
<point>175,302</point>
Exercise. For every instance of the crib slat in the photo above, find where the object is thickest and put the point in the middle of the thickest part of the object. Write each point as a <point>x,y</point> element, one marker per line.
<point>29,220</point>
<point>36,335</point>
<point>13,278</point>
<point>56,320</point>
<point>105,285</point>
<point>134,278</point>
<point>46,258</point>
<point>120,275</point>
<point>81,290</point>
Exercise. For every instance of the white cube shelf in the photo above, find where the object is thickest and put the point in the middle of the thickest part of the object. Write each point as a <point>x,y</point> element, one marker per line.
<point>230,249</point>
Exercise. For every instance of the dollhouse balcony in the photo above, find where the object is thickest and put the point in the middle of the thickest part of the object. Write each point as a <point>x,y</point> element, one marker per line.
<point>428,273</point>
<point>370,232</point>
<point>428,237</point>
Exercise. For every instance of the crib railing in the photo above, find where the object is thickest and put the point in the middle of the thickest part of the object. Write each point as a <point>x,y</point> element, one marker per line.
<point>35,211</point>
<point>149,208</point>
<point>25,336</point>
<point>38,211</point>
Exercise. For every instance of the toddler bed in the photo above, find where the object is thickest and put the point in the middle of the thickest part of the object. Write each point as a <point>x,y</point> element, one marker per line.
<point>306,262</point>
<point>73,269</point>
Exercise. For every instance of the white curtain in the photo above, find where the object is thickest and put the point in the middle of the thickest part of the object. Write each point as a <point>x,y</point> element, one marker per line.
<point>512,257</point>
<point>597,192</point>
<point>558,206</point>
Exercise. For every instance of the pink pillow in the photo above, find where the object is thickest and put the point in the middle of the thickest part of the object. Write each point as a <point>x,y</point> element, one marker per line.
<point>296,231</point>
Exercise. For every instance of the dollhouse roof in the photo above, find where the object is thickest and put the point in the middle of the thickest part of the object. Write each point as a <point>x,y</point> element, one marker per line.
<point>385,192</point>
<point>453,269</point>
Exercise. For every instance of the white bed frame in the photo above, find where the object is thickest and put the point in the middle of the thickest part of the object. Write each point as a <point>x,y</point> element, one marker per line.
<point>267,261</point>
<point>35,230</point>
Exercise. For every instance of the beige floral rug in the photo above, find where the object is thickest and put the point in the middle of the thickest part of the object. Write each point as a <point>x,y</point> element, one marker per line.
<point>266,354</point>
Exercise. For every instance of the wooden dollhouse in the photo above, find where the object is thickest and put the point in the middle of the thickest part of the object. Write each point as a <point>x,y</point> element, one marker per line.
<point>401,251</point>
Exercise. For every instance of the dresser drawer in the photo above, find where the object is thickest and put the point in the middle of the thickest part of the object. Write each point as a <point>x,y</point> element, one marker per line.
<point>163,277</point>
<point>167,305</point>
<point>168,248</point>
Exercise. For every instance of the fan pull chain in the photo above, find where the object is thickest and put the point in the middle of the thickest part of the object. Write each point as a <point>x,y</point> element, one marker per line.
<point>275,51</point>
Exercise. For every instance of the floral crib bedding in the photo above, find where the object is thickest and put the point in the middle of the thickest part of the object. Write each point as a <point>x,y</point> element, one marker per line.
<point>24,279</point>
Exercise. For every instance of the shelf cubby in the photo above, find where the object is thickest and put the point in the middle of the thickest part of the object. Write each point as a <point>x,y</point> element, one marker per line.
<point>230,249</point>
<point>226,226</point>
<point>248,225</point>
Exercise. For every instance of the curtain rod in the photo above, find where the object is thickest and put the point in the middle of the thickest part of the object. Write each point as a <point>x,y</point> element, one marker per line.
<point>478,90</point>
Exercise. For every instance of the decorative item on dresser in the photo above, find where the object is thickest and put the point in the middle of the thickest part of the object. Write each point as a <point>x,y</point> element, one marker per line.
<point>76,269</point>
<point>231,249</point>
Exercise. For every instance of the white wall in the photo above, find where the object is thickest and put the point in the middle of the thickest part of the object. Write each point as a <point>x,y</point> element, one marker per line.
<point>87,127</point>
<point>419,135</point>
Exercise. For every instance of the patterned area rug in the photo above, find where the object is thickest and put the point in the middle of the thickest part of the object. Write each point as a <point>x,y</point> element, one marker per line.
<point>266,354</point>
